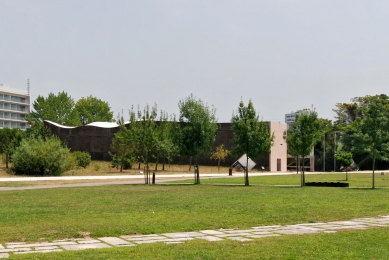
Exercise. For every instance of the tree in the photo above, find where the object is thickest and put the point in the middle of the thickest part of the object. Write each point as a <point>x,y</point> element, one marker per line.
<point>304,133</point>
<point>91,109</point>
<point>345,159</point>
<point>220,155</point>
<point>251,137</point>
<point>56,108</point>
<point>197,129</point>
<point>9,140</point>
<point>370,130</point>
<point>122,149</point>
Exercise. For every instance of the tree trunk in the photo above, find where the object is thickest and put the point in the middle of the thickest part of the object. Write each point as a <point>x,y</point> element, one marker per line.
<point>373,181</point>
<point>163,164</point>
<point>218,165</point>
<point>303,173</point>
<point>246,177</point>
<point>6,160</point>
<point>190,163</point>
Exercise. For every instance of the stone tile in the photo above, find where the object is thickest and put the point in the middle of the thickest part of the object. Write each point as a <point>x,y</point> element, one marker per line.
<point>15,243</point>
<point>115,241</point>
<point>211,238</point>
<point>39,248</point>
<point>41,244</point>
<point>212,232</point>
<point>235,235</point>
<point>144,237</point>
<point>268,227</point>
<point>137,239</point>
<point>297,231</point>
<point>311,224</point>
<point>240,231</point>
<point>1,246</point>
<point>40,251</point>
<point>4,255</point>
<point>242,239</point>
<point>184,234</point>
<point>264,235</point>
<point>12,250</point>
<point>88,241</point>
<point>86,246</point>
<point>170,243</point>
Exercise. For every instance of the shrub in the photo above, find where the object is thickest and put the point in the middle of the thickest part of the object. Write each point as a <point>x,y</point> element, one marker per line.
<point>37,157</point>
<point>83,158</point>
<point>123,162</point>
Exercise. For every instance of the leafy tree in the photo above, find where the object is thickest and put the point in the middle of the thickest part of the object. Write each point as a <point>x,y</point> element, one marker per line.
<point>122,149</point>
<point>304,133</point>
<point>164,144</point>
<point>251,137</point>
<point>56,108</point>
<point>197,129</point>
<point>370,130</point>
<point>37,157</point>
<point>91,109</point>
<point>38,130</point>
<point>220,155</point>
<point>345,159</point>
<point>9,140</point>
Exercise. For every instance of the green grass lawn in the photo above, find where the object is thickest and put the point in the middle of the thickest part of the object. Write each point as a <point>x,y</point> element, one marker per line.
<point>48,214</point>
<point>361,180</point>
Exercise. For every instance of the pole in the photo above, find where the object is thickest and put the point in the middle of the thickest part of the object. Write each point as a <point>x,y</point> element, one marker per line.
<point>324,154</point>
<point>334,151</point>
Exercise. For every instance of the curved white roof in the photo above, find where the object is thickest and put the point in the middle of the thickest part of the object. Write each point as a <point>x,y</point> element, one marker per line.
<point>97,124</point>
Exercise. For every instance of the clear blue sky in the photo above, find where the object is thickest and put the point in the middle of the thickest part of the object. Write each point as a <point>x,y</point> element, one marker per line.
<point>284,55</point>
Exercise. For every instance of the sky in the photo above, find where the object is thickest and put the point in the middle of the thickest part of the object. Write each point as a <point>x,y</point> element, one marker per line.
<point>283,55</point>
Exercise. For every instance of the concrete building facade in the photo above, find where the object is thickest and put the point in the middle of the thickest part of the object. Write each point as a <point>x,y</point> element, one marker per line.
<point>14,106</point>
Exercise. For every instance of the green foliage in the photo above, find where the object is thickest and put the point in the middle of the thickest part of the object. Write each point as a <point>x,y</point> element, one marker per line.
<point>369,132</point>
<point>220,154</point>
<point>9,140</point>
<point>37,157</point>
<point>56,108</point>
<point>251,137</point>
<point>83,158</point>
<point>344,158</point>
<point>38,130</point>
<point>303,134</point>
<point>91,109</point>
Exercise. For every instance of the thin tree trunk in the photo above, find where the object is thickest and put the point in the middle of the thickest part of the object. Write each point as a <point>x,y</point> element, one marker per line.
<point>218,165</point>
<point>6,160</point>
<point>163,164</point>
<point>373,181</point>
<point>246,179</point>
<point>190,163</point>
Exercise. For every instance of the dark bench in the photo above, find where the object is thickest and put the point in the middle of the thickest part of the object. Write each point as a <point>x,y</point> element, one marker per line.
<point>327,184</point>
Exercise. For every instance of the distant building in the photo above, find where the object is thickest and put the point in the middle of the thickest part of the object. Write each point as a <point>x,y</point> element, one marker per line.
<point>96,139</point>
<point>290,118</point>
<point>14,106</point>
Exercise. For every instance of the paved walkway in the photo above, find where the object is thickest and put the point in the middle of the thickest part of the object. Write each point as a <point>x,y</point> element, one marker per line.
<point>181,237</point>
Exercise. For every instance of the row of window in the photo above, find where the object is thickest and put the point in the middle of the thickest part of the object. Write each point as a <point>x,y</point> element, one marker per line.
<point>13,107</point>
<point>12,116</point>
<point>12,125</point>
<point>13,98</point>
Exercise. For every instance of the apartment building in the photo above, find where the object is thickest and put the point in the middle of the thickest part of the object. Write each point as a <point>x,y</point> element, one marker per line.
<point>14,106</point>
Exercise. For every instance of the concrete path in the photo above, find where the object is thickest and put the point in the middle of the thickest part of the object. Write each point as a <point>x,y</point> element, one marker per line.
<point>116,179</point>
<point>259,232</point>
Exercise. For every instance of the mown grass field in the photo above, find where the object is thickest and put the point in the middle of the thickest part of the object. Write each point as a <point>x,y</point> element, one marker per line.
<point>48,214</point>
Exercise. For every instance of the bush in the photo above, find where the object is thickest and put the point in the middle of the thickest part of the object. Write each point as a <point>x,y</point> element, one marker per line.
<point>122,162</point>
<point>37,157</point>
<point>83,158</point>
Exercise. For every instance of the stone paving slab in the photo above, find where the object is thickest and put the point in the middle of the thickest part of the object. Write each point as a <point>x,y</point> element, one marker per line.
<point>39,248</point>
<point>13,250</point>
<point>264,235</point>
<point>40,244</point>
<point>211,238</point>
<point>4,255</point>
<point>115,241</point>
<point>86,246</point>
<point>39,251</point>
<point>183,234</point>
<point>241,239</point>
<point>211,232</point>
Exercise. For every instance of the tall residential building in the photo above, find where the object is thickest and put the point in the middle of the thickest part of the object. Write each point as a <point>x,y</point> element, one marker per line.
<point>14,106</point>
<point>290,118</point>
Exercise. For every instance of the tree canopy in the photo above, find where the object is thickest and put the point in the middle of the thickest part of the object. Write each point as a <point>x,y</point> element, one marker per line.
<point>251,137</point>
<point>197,128</point>
<point>303,134</point>
<point>92,109</point>
<point>58,108</point>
